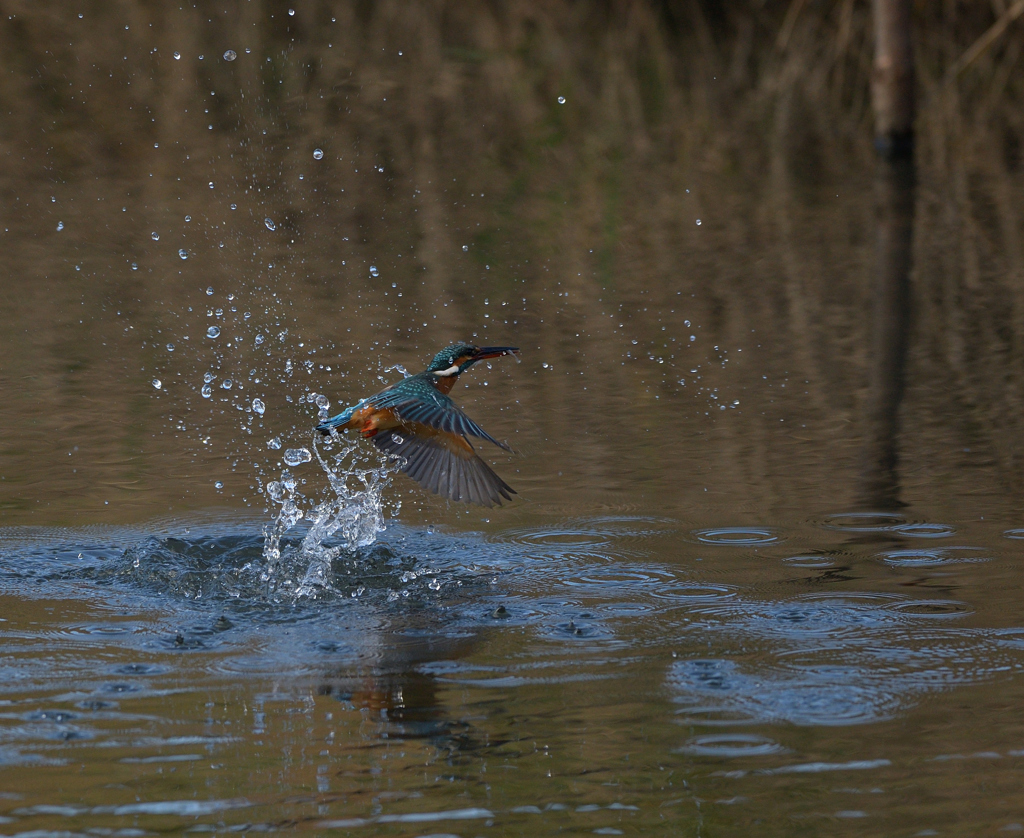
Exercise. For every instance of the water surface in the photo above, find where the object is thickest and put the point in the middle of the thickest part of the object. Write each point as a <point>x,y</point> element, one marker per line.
<point>761,574</point>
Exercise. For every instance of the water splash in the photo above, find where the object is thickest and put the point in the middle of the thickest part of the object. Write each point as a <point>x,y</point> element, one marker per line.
<point>297,456</point>
<point>350,517</point>
<point>400,368</point>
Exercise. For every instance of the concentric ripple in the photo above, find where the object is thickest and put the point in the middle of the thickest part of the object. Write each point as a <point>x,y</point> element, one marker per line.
<point>691,592</point>
<point>731,746</point>
<point>933,557</point>
<point>925,530</point>
<point>864,521</point>
<point>810,562</point>
<point>736,536</point>
<point>941,608</point>
<point>561,539</point>
<point>888,522</point>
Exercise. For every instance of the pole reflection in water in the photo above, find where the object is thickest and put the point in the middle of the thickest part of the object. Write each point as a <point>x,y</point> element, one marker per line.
<point>894,188</point>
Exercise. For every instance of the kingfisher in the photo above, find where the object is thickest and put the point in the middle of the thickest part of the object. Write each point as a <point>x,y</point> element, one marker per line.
<point>415,421</point>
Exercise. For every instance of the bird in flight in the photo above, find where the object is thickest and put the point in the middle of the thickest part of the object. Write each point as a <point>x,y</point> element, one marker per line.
<point>415,421</point>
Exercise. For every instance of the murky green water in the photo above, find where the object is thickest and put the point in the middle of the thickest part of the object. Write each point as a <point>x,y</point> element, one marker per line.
<point>762,572</point>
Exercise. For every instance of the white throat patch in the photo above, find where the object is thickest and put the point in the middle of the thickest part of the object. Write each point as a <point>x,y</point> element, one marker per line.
<point>452,370</point>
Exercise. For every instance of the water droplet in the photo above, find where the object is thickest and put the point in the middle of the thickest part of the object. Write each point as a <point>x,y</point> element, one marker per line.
<point>258,406</point>
<point>209,291</point>
<point>561,100</point>
<point>297,456</point>
<point>318,154</point>
<point>213,332</point>
<point>234,206</point>
<point>322,401</point>
<point>170,347</point>
<point>207,391</point>
<point>374,271</point>
<point>227,384</point>
<point>291,13</point>
<point>270,223</point>
<point>60,226</point>
<point>183,253</point>
<point>259,339</point>
<point>397,439</point>
<point>177,55</point>
<point>693,338</point>
<point>157,383</point>
<point>434,585</point>
<point>230,55</point>
<point>208,377</point>
<point>465,248</point>
<point>188,218</point>
<point>698,222</point>
<point>218,485</point>
<point>274,443</point>
<point>155,236</point>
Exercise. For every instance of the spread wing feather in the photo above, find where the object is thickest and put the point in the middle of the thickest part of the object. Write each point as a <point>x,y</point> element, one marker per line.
<point>416,401</point>
<point>454,475</point>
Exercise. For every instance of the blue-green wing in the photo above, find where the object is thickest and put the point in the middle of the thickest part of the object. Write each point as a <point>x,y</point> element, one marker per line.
<point>416,400</point>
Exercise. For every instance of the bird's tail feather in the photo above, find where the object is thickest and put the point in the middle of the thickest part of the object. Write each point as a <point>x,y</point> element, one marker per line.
<point>328,425</point>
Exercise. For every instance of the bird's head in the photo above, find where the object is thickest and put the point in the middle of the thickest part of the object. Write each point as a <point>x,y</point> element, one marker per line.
<point>459,357</point>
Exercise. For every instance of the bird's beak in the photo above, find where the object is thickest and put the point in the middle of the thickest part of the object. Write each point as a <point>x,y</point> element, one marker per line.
<point>485,352</point>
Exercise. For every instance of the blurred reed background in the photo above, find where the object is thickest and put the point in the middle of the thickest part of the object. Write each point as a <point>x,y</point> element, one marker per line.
<point>451,166</point>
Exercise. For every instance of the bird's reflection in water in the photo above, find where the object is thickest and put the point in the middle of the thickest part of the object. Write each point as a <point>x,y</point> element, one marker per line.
<point>401,694</point>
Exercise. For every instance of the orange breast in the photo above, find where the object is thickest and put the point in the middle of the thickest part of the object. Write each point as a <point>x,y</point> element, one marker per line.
<point>369,420</point>
<point>446,382</point>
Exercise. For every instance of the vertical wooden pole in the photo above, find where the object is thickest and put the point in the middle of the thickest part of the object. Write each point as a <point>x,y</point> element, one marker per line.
<point>892,79</point>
